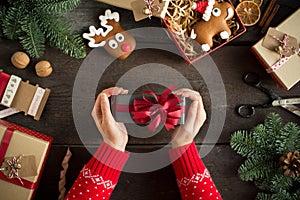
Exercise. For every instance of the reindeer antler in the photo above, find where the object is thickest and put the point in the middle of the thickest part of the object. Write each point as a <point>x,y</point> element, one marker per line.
<point>97,36</point>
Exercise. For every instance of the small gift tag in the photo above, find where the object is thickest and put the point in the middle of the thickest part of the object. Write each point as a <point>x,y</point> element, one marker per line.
<point>25,165</point>
<point>285,45</point>
<point>147,8</point>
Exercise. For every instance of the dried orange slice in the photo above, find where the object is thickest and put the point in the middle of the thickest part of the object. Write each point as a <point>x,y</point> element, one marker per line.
<point>249,12</point>
<point>258,2</point>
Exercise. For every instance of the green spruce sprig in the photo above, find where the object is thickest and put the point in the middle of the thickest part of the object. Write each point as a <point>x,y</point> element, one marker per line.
<point>262,147</point>
<point>35,23</point>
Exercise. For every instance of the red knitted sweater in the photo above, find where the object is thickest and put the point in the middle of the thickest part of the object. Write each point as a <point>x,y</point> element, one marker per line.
<point>100,175</point>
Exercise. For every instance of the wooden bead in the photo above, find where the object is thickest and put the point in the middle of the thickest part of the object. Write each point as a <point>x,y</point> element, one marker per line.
<point>43,68</point>
<point>20,60</point>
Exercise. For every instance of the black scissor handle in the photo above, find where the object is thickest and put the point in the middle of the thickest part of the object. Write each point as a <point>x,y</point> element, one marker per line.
<point>252,78</point>
<point>246,110</point>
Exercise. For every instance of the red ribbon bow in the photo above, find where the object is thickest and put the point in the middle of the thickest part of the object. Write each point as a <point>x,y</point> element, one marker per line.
<point>161,109</point>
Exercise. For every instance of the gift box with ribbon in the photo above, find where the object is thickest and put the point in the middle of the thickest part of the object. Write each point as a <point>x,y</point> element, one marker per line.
<point>278,52</point>
<point>23,155</point>
<point>149,109</point>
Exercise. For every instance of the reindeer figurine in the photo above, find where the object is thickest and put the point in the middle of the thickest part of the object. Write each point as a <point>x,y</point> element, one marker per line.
<point>115,40</point>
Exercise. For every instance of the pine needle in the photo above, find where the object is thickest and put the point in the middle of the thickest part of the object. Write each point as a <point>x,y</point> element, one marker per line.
<point>11,23</point>
<point>32,38</point>
<point>58,6</point>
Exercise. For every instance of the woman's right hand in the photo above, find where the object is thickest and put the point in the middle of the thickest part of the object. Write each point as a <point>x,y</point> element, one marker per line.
<point>185,134</point>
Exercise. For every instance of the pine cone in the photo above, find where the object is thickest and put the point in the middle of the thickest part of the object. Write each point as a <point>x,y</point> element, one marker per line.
<point>290,164</point>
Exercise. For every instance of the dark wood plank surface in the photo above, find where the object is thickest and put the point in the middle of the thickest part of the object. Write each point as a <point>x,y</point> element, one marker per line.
<point>232,60</point>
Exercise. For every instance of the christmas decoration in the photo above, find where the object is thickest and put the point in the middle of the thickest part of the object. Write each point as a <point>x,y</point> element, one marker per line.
<point>214,22</point>
<point>272,158</point>
<point>290,163</point>
<point>35,23</point>
<point>115,40</point>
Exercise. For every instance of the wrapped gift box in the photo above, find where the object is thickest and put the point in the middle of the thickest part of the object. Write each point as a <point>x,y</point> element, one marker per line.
<point>198,52</point>
<point>119,3</point>
<point>121,106</point>
<point>34,148</point>
<point>289,73</point>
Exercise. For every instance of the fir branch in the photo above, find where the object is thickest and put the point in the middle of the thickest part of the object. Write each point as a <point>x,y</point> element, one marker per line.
<point>57,6</point>
<point>280,181</point>
<point>273,124</point>
<point>243,143</point>
<point>289,139</point>
<point>263,146</point>
<point>59,35</point>
<point>296,194</point>
<point>42,12</point>
<point>2,16</point>
<point>11,23</point>
<point>282,195</point>
<point>263,184</point>
<point>32,38</point>
<point>256,169</point>
<point>263,196</point>
<point>246,145</point>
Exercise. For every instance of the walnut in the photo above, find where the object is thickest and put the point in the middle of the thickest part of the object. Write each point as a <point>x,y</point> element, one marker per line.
<point>20,60</point>
<point>43,68</point>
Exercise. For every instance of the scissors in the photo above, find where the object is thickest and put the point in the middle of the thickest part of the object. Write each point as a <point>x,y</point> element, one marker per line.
<point>248,110</point>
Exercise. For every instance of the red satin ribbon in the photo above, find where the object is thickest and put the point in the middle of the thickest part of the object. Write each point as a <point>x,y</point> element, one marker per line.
<point>4,78</point>
<point>161,109</point>
<point>3,148</point>
<point>5,142</point>
<point>26,184</point>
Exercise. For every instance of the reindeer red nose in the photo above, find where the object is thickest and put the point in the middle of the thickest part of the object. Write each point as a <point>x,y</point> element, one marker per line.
<point>126,47</point>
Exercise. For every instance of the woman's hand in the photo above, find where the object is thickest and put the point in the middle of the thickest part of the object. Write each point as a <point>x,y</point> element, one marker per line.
<point>185,134</point>
<point>113,133</point>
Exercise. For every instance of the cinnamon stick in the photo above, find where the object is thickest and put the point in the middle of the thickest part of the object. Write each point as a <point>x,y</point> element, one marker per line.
<point>267,12</point>
<point>273,13</point>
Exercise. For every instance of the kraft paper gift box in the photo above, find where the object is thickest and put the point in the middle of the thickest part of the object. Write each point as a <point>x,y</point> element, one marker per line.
<point>34,148</point>
<point>119,3</point>
<point>289,73</point>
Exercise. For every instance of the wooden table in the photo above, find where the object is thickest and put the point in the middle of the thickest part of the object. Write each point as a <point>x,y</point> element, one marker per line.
<point>233,60</point>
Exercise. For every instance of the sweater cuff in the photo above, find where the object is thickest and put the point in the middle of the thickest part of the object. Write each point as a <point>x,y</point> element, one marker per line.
<point>186,160</point>
<point>108,156</point>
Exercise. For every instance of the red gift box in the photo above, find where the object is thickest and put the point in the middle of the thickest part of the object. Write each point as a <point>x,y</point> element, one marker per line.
<point>150,109</point>
<point>16,141</point>
<point>201,54</point>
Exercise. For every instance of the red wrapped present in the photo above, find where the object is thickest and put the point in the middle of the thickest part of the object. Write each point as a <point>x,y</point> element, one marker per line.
<point>150,109</point>
<point>23,153</point>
